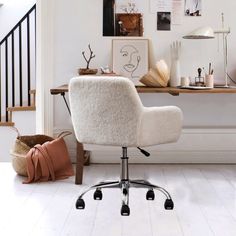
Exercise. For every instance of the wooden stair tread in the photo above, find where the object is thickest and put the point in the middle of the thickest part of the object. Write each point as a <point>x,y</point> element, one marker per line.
<point>6,124</point>
<point>32,91</point>
<point>23,108</point>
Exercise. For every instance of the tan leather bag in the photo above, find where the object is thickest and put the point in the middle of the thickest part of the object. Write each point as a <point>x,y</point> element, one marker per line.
<point>49,161</point>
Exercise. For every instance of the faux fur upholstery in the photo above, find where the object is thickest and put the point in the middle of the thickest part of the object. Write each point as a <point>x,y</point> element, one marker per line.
<point>108,111</point>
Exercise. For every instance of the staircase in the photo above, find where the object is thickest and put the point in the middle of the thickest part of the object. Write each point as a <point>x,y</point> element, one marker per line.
<point>18,69</point>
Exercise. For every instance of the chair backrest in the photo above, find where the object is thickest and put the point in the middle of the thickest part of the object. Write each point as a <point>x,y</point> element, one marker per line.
<point>105,110</point>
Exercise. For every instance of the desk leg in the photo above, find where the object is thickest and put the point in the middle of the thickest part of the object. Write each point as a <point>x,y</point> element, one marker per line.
<point>79,164</point>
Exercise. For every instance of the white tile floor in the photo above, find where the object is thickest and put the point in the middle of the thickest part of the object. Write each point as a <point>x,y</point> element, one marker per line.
<point>204,195</point>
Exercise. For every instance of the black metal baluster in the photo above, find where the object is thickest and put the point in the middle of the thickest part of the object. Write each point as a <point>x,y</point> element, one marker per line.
<point>0,83</point>
<point>28,59</point>
<point>35,31</point>
<point>13,68</point>
<point>6,77</point>
<point>20,65</point>
<point>35,37</point>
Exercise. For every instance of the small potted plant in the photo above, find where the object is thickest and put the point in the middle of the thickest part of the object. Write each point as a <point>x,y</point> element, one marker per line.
<point>87,70</point>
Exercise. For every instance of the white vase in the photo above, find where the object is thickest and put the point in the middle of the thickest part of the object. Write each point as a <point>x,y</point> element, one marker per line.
<point>175,75</point>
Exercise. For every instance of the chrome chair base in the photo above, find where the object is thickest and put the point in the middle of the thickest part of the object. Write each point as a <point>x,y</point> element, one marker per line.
<point>125,184</point>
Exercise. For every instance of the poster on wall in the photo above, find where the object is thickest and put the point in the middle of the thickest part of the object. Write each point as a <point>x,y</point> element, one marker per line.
<point>163,21</point>
<point>122,18</point>
<point>130,58</point>
<point>174,8</point>
<point>193,7</point>
<point>160,6</point>
<point>177,12</point>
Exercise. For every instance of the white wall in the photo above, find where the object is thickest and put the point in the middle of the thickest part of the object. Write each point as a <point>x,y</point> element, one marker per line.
<point>77,23</point>
<point>11,12</point>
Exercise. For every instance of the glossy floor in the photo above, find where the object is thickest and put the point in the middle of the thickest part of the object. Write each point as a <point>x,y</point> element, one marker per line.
<point>204,196</point>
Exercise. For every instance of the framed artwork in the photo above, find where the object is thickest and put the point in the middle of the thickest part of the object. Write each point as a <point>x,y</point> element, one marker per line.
<point>130,58</point>
<point>129,24</point>
<point>122,19</point>
<point>193,7</point>
<point>163,20</point>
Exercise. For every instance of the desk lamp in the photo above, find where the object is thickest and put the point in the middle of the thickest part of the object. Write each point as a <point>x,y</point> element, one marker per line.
<point>209,33</point>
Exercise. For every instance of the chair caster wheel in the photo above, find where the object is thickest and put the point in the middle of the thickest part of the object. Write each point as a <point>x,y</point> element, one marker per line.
<point>125,211</point>
<point>169,204</point>
<point>80,204</point>
<point>97,195</point>
<point>150,195</point>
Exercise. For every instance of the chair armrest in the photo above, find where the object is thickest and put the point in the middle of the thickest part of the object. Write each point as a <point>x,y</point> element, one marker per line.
<point>160,125</point>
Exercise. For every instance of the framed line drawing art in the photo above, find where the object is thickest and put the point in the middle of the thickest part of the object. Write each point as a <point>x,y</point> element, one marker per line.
<point>130,58</point>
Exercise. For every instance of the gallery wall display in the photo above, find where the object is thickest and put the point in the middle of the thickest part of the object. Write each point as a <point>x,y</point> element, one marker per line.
<point>193,7</point>
<point>121,20</point>
<point>130,58</point>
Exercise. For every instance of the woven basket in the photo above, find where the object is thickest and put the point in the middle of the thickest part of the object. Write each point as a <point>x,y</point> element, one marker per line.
<point>20,149</point>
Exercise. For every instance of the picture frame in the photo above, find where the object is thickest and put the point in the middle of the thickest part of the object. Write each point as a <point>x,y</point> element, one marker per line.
<point>122,19</point>
<point>193,8</point>
<point>130,58</point>
<point>129,24</point>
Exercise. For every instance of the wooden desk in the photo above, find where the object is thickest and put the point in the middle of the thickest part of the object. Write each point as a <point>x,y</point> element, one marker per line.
<point>172,91</point>
<point>141,89</point>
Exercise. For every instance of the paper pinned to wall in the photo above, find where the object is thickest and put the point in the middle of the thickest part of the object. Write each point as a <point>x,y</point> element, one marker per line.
<point>177,12</point>
<point>176,8</point>
<point>160,6</point>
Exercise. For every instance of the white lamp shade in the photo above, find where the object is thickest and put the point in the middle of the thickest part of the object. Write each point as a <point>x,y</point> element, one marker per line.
<point>201,33</point>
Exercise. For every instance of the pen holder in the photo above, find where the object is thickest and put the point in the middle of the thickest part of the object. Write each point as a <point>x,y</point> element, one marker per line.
<point>209,81</point>
<point>199,81</point>
<point>185,81</point>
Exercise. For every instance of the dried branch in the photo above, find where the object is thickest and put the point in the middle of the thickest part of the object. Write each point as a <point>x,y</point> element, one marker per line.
<point>130,8</point>
<point>90,57</point>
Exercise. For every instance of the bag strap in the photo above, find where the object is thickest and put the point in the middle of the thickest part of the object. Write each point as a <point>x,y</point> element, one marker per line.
<point>64,134</point>
<point>30,166</point>
<point>47,158</point>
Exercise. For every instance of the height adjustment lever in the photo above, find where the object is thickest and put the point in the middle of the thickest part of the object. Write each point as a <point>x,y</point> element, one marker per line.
<point>145,153</point>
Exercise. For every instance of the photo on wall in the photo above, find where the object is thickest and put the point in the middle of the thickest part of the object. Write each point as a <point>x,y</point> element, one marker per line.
<point>121,19</point>
<point>130,58</point>
<point>193,7</point>
<point>164,21</point>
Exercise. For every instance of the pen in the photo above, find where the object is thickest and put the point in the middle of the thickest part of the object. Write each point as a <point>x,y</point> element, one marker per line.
<point>209,68</point>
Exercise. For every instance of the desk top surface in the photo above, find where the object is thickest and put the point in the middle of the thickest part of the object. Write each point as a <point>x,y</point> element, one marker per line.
<point>173,91</point>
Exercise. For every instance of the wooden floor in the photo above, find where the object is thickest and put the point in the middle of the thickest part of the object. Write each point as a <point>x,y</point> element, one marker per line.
<point>204,196</point>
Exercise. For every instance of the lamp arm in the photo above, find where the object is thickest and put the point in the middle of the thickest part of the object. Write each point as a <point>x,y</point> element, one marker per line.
<point>222,31</point>
<point>225,33</point>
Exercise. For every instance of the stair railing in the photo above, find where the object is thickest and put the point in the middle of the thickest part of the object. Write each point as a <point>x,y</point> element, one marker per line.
<point>16,58</point>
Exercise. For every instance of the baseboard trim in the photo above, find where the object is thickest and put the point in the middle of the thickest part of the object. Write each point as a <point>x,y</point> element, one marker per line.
<point>196,145</point>
<point>179,157</point>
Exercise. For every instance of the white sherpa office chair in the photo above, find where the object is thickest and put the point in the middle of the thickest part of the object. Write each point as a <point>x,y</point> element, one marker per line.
<point>108,111</point>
